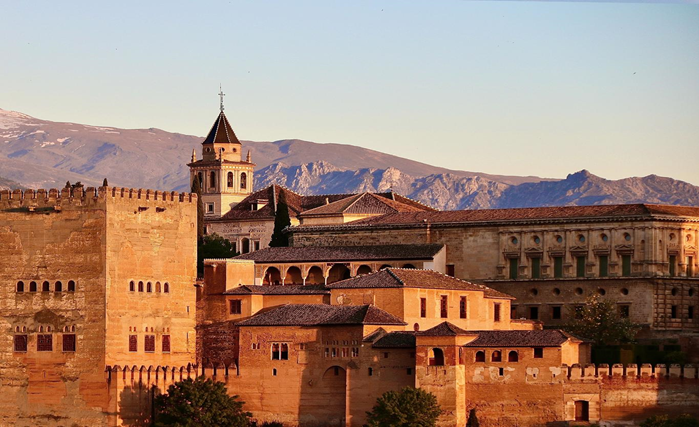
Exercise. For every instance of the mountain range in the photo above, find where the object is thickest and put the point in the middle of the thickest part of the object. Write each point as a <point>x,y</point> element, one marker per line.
<point>38,153</point>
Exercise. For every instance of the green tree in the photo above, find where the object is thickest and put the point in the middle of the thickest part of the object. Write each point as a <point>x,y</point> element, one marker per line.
<point>281,221</point>
<point>105,183</point>
<point>213,246</point>
<point>409,407</point>
<point>665,421</point>
<point>598,320</point>
<point>199,403</point>
<point>472,419</point>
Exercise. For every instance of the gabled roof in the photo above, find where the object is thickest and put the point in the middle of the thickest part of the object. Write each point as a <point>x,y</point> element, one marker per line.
<point>344,253</point>
<point>322,315</point>
<point>401,339</point>
<point>530,215</point>
<point>536,338</point>
<point>445,329</point>
<point>414,278</point>
<point>363,203</point>
<point>298,203</point>
<point>221,132</point>
<point>278,290</point>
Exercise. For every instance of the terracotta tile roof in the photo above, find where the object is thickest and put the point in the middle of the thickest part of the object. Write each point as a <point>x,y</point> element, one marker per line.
<point>414,278</point>
<point>445,329</point>
<point>566,213</point>
<point>298,203</point>
<point>396,340</point>
<point>278,290</point>
<point>363,203</point>
<point>221,132</point>
<point>537,338</point>
<point>322,315</point>
<point>344,253</point>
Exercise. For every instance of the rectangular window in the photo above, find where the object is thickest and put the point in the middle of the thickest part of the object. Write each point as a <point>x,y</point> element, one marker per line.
<point>133,343</point>
<point>284,351</point>
<point>462,307</point>
<point>236,306</point>
<point>450,270</point>
<point>327,352</point>
<point>538,352</point>
<point>624,310</point>
<point>20,343</point>
<point>513,312</point>
<point>496,311</point>
<point>536,268</point>
<point>556,312</point>
<point>210,207</point>
<point>150,343</point>
<point>673,312</point>
<point>673,265</point>
<point>423,307</point>
<point>580,266</point>
<point>690,312</point>
<point>443,307</point>
<point>44,342</point>
<point>275,351</point>
<point>603,266</point>
<point>558,266</point>
<point>534,313</point>
<point>690,266</point>
<point>626,265</point>
<point>166,343</point>
<point>68,342</point>
<point>514,265</point>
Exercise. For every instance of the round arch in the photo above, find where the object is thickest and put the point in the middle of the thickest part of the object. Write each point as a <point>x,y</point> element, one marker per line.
<point>338,272</point>
<point>293,276</point>
<point>364,269</point>
<point>315,276</point>
<point>272,276</point>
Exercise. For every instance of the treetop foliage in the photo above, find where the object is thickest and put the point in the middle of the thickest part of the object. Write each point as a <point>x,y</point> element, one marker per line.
<point>281,221</point>
<point>598,320</point>
<point>409,407</point>
<point>199,403</point>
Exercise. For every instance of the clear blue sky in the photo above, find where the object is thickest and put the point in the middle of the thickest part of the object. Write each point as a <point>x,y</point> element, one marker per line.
<point>519,88</point>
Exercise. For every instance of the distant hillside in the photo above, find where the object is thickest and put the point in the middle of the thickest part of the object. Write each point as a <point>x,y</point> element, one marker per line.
<point>42,154</point>
<point>7,184</point>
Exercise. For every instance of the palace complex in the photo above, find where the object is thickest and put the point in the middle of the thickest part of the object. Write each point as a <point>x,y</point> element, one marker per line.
<point>101,307</point>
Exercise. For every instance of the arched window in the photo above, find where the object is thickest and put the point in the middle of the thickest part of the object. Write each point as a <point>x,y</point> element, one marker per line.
<point>212,180</point>
<point>20,286</point>
<point>149,287</point>
<point>132,286</point>
<point>157,286</point>
<point>408,266</point>
<point>46,286</point>
<point>32,286</point>
<point>480,356</point>
<point>272,277</point>
<point>230,179</point>
<point>436,357</point>
<point>496,356</point>
<point>59,286</point>
<point>201,179</point>
<point>243,181</point>
<point>71,286</point>
<point>166,288</point>
<point>140,286</point>
<point>512,356</point>
<point>363,269</point>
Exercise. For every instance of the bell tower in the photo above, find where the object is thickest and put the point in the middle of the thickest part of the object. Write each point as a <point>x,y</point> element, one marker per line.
<point>225,179</point>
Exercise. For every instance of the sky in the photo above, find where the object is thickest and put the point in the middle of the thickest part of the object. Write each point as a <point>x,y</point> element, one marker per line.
<point>503,87</point>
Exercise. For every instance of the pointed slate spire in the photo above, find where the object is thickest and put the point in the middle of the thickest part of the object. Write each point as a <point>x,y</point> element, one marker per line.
<point>221,132</point>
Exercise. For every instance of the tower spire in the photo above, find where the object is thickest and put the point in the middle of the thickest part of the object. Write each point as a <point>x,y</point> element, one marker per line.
<point>221,94</point>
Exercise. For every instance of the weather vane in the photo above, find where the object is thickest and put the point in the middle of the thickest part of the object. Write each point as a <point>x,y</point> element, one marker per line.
<point>221,94</point>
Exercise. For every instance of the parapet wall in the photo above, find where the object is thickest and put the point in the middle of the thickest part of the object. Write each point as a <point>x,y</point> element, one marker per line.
<point>55,198</point>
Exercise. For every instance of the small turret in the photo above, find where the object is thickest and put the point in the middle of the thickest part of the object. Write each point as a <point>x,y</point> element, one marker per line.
<point>249,157</point>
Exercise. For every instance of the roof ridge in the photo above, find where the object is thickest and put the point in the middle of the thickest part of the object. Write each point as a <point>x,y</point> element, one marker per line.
<point>357,197</point>
<point>398,279</point>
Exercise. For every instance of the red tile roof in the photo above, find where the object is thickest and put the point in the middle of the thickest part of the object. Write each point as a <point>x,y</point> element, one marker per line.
<point>402,339</point>
<point>537,338</point>
<point>298,203</point>
<point>322,315</point>
<point>414,278</point>
<point>278,290</point>
<point>445,329</point>
<point>363,203</point>
<point>564,213</point>
<point>344,253</point>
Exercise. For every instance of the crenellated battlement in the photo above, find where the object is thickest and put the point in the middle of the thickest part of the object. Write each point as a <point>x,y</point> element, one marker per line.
<point>55,199</point>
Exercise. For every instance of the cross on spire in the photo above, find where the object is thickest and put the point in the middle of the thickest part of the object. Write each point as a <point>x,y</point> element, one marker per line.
<point>221,94</point>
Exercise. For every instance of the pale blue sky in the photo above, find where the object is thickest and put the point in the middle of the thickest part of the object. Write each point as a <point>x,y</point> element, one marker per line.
<point>518,88</point>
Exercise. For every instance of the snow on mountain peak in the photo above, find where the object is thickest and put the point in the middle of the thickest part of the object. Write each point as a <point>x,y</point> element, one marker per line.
<point>12,119</point>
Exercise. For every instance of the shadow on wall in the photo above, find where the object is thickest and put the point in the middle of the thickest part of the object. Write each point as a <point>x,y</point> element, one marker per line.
<point>136,404</point>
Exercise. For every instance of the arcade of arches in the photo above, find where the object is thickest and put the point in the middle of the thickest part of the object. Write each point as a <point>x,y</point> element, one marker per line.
<point>319,273</point>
